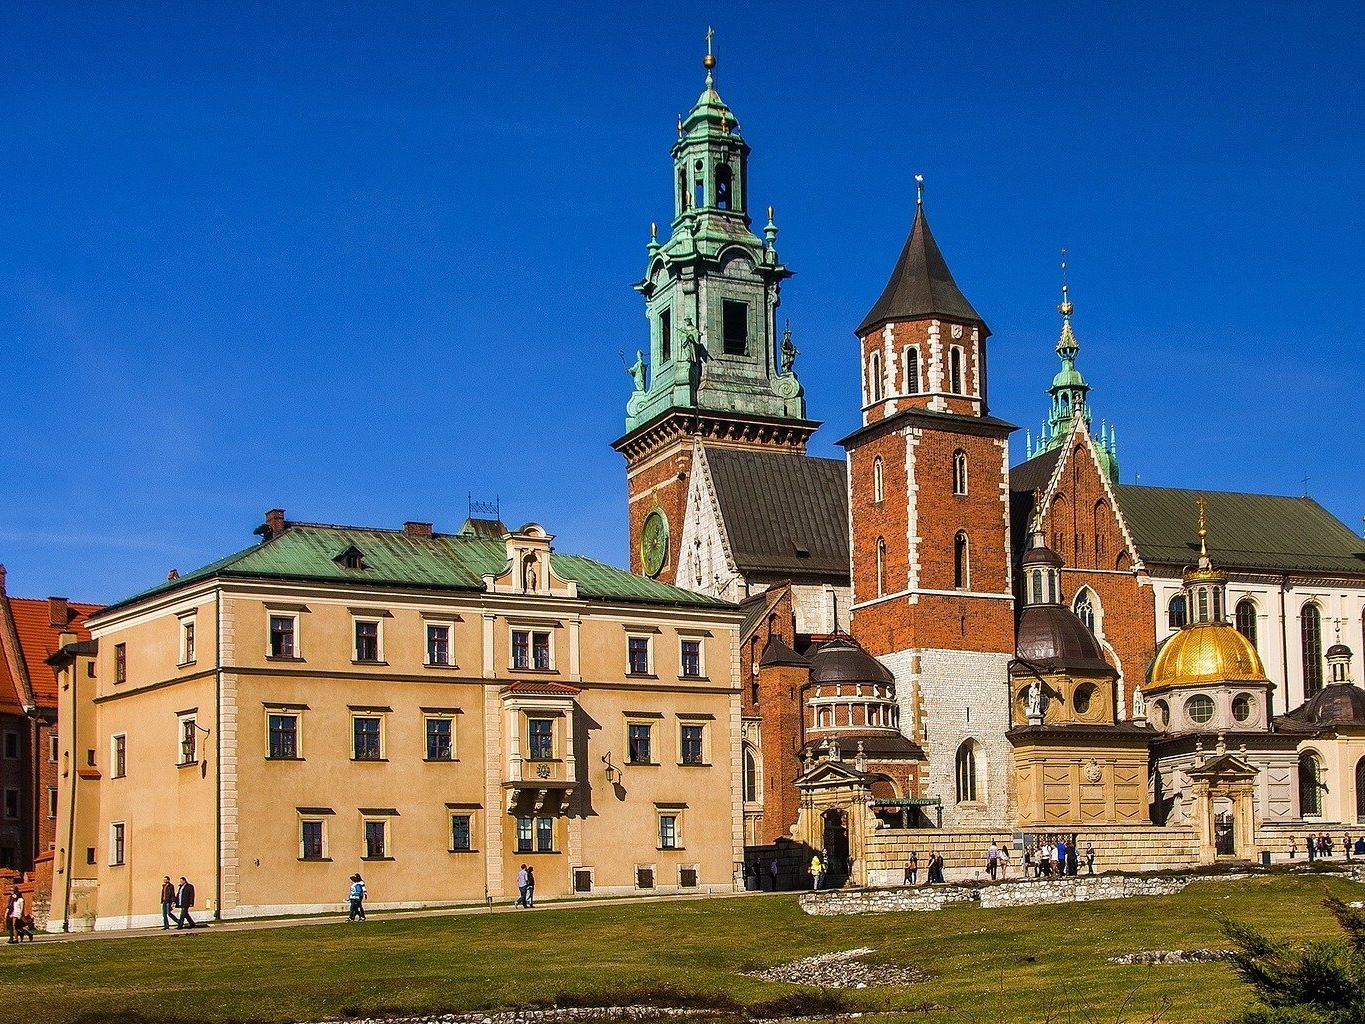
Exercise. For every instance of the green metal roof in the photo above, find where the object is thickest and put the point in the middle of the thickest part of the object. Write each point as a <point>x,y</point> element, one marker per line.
<point>308,551</point>
<point>1264,532</point>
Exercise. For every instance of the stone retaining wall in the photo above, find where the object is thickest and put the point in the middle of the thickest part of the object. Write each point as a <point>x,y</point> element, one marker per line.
<point>1001,894</point>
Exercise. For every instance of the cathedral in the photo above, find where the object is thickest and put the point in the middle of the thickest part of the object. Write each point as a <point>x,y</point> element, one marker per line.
<point>939,644</point>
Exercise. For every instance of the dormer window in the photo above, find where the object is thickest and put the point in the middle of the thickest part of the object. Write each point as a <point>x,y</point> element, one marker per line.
<point>351,558</point>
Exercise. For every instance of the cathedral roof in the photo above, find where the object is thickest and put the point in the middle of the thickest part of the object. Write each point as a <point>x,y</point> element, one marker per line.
<point>782,512</point>
<point>1050,638</point>
<point>1336,704</point>
<point>921,287</point>
<point>842,660</point>
<point>1206,652</point>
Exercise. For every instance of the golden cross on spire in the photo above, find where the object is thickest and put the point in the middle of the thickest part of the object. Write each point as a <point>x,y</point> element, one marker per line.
<point>709,61</point>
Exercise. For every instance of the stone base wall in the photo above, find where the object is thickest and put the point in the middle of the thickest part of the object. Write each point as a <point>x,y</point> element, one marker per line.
<point>793,865</point>
<point>886,901</point>
<point>990,897</point>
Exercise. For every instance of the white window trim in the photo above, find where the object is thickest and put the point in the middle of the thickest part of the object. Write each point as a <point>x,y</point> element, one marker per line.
<point>378,621</point>
<point>648,721</point>
<point>962,370</point>
<point>53,746</point>
<point>284,613</point>
<point>701,657</point>
<point>185,622</point>
<point>530,631</point>
<point>916,386</point>
<point>387,821</point>
<point>113,754</point>
<point>383,733</point>
<point>695,869</point>
<point>878,481</point>
<point>678,813</point>
<point>294,711</point>
<point>452,716</point>
<point>470,812</point>
<point>449,626</point>
<point>648,638</point>
<point>705,723</point>
<point>653,870</point>
<point>114,826</point>
<point>321,819</point>
<point>180,720</point>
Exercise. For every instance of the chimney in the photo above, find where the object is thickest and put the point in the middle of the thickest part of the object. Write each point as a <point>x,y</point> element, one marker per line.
<point>417,529</point>
<point>57,616</point>
<point>274,524</point>
<point>174,574</point>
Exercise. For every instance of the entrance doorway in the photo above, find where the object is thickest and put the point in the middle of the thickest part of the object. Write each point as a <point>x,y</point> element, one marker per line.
<point>1224,843</point>
<point>835,841</point>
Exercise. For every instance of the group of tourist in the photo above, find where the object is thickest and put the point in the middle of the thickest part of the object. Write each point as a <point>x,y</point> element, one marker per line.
<point>1058,857</point>
<point>1321,845</point>
<point>176,901</point>
<point>933,869</point>
<point>756,874</point>
<point>18,919</point>
<point>526,887</point>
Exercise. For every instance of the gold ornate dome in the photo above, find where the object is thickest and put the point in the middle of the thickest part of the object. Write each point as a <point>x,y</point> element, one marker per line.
<point>1206,652</point>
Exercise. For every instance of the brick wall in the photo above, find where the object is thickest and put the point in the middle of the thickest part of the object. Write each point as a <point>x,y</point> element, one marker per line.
<point>661,475</point>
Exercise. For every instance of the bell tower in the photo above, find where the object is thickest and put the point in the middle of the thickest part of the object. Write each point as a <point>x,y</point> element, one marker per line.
<point>929,484</point>
<point>713,369</point>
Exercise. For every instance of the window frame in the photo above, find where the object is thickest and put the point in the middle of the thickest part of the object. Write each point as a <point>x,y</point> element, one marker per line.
<point>377,621</point>
<point>469,814</point>
<point>967,773</point>
<point>188,638</point>
<point>878,481</point>
<point>532,647</point>
<point>700,672</point>
<point>386,834</point>
<point>531,736</point>
<point>118,844</point>
<point>120,664</point>
<point>727,307</point>
<point>52,801</point>
<point>634,642</point>
<point>118,755</point>
<point>320,820</point>
<point>54,747</point>
<point>1203,699</point>
<point>910,359</point>
<point>449,626</point>
<point>295,648</point>
<point>11,747</point>
<point>632,727</point>
<point>703,743</point>
<point>670,830</point>
<point>1252,632</point>
<point>430,718</point>
<point>957,370</point>
<point>358,716</point>
<point>959,473</point>
<point>962,561</point>
<point>13,796</point>
<point>187,736</point>
<point>272,713</point>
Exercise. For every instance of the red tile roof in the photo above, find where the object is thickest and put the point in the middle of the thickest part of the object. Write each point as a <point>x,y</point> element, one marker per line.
<point>37,639</point>
<point>545,689</point>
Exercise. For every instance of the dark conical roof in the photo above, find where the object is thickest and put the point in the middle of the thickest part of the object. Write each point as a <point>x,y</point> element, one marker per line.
<point>843,660</point>
<point>1051,638</point>
<point>1336,704</point>
<point>921,286</point>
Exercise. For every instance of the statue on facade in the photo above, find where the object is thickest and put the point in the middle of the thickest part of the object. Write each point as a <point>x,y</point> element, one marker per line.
<point>1139,705</point>
<point>789,351</point>
<point>1035,701</point>
<point>637,371</point>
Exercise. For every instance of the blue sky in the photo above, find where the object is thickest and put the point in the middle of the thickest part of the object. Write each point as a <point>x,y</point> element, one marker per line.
<point>363,261</point>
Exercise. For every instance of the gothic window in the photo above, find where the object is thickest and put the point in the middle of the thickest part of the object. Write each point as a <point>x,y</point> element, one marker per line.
<point>959,472</point>
<point>1310,785</point>
<point>961,569</point>
<point>751,792</point>
<point>881,566</point>
<point>735,327</point>
<point>1360,790</point>
<point>1037,587</point>
<point>723,185</point>
<point>912,384</point>
<point>874,376</point>
<point>1310,627</point>
<point>1175,612</point>
<point>877,479</point>
<point>1245,619</point>
<point>665,334</point>
<point>1085,609</point>
<point>1122,562</point>
<point>1101,551</point>
<point>966,773</point>
<point>955,371</point>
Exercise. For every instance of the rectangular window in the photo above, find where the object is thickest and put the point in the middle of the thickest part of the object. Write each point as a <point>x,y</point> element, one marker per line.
<point>545,835</point>
<point>11,745</point>
<point>461,833</point>
<point>637,655</point>
<point>367,739</point>
<point>310,841</point>
<point>665,334</point>
<point>52,748</point>
<point>440,740</point>
<point>524,835</point>
<point>366,640</point>
<point>90,855</point>
<point>52,801</point>
<point>638,744</point>
<point>284,737</point>
<point>540,651</point>
<point>282,639</point>
<point>189,740</point>
<point>11,803</point>
<point>118,757</point>
<point>668,831</point>
<point>376,840</point>
<point>116,835</point>
<point>521,649</point>
<point>735,327</point>
<point>542,743</point>
<point>693,737</point>
<point>186,641</point>
<point>120,663</point>
<point>438,645</point>
<point>691,658</point>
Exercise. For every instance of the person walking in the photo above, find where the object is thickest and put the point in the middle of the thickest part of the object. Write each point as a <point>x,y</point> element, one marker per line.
<point>521,888</point>
<point>167,903</point>
<point>530,886</point>
<point>773,870</point>
<point>1004,861</point>
<point>992,860</point>
<point>817,870</point>
<point>355,898</point>
<point>184,900</point>
<point>912,868</point>
<point>14,913</point>
<point>1090,858</point>
<point>1029,865</point>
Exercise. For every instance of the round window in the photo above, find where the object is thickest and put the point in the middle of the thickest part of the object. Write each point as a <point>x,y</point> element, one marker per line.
<point>1082,698</point>
<point>1241,707</point>
<point>1199,708</point>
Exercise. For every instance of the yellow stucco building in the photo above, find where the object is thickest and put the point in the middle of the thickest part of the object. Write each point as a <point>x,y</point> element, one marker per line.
<point>431,710</point>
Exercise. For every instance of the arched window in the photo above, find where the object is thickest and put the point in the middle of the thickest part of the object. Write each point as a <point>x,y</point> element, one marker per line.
<point>1085,609</point>
<point>959,472</point>
<point>1175,612</point>
<point>881,566</point>
<point>1037,577</point>
<point>1310,785</point>
<point>912,385</point>
<point>1101,547</point>
<point>955,371</point>
<point>966,773</point>
<point>1061,523</point>
<point>682,188</point>
<point>1122,562</point>
<point>751,790</point>
<point>961,568</point>
<point>874,376</point>
<point>1360,790</point>
<point>877,479</point>
<point>724,177</point>
<point>1310,628</point>
<point>1245,619</point>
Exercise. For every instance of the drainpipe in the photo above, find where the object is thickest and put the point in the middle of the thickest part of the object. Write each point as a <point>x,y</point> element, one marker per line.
<point>71,801</point>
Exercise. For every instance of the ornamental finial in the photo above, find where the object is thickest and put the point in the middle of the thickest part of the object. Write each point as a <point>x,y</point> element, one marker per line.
<point>919,190</point>
<point>709,61</point>
<point>1065,308</point>
<point>1203,529</point>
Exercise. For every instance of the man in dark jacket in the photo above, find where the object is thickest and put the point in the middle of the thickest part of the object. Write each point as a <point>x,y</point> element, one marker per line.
<point>167,903</point>
<point>184,899</point>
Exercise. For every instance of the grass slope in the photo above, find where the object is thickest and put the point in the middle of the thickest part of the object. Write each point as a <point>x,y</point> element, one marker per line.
<point>1014,966</point>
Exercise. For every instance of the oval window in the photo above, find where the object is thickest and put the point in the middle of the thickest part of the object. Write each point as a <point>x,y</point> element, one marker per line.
<point>1241,707</point>
<point>1162,714</point>
<point>1082,698</point>
<point>1199,708</point>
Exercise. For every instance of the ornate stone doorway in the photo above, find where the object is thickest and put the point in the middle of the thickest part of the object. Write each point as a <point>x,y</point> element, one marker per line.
<point>835,845</point>
<point>1225,807</point>
<point>1360,790</point>
<point>1224,838</point>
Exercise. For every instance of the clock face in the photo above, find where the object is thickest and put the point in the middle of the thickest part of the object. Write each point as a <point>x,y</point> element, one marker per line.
<point>654,542</point>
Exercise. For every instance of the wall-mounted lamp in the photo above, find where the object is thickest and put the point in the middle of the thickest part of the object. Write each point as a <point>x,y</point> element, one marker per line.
<point>613,773</point>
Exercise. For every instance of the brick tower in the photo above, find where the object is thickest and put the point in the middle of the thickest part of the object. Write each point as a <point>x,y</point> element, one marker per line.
<point>714,371</point>
<point>929,515</point>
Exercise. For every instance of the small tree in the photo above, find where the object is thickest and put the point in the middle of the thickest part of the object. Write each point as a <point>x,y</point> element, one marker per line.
<point>1320,983</point>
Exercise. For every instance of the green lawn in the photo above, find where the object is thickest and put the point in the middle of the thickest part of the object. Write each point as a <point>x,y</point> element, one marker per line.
<point>1025,965</point>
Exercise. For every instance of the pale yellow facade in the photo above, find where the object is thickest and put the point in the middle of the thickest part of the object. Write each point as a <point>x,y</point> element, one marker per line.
<point>269,772</point>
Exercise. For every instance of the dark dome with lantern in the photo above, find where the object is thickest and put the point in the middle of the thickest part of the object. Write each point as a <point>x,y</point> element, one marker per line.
<point>842,660</point>
<point>1051,638</point>
<point>1338,651</point>
<point>1336,704</point>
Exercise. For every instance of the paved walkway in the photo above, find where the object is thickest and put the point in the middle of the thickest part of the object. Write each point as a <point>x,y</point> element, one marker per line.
<point>463,910</point>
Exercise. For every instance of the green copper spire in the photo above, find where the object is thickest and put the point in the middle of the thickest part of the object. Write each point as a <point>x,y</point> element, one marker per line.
<point>712,289</point>
<point>1070,393</point>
